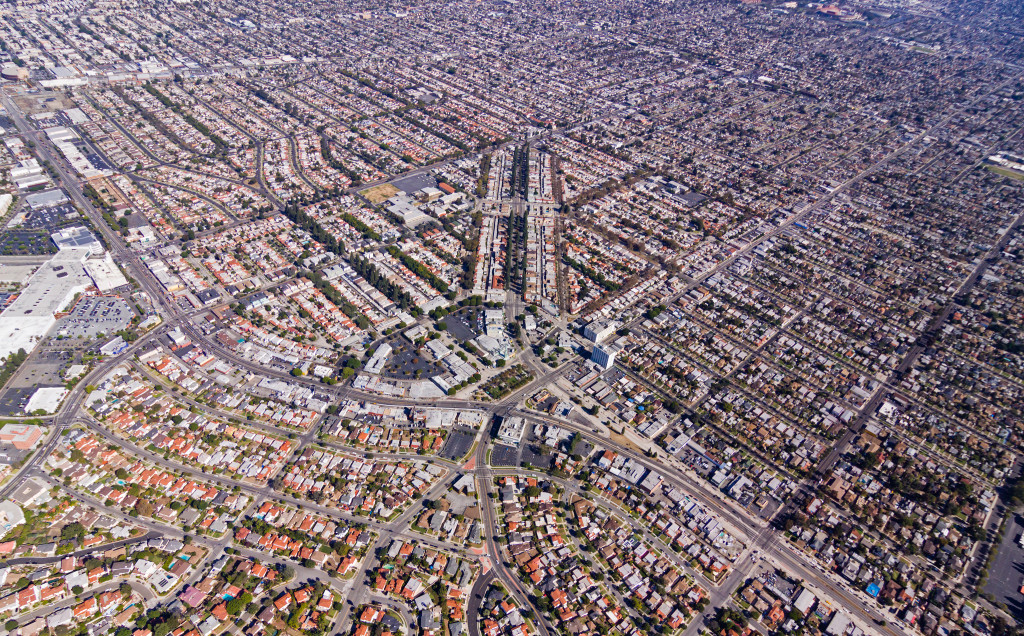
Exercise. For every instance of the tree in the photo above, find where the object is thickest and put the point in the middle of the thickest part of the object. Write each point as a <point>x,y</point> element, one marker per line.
<point>655,311</point>
<point>71,531</point>
<point>11,625</point>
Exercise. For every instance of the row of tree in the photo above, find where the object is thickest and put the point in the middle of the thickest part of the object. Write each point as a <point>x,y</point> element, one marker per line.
<point>189,119</point>
<point>418,268</point>
<point>369,271</point>
<point>308,223</point>
<point>332,294</point>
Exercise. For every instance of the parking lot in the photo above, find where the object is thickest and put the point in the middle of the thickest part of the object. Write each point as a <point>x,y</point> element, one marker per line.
<point>464,324</point>
<point>20,242</point>
<point>533,455</point>
<point>504,456</point>
<point>406,363</point>
<point>50,219</point>
<point>583,448</point>
<point>702,465</point>
<point>13,401</point>
<point>415,183</point>
<point>9,455</point>
<point>94,315</point>
<point>1007,570</point>
<point>137,220</point>
<point>459,443</point>
<point>97,161</point>
<point>6,298</point>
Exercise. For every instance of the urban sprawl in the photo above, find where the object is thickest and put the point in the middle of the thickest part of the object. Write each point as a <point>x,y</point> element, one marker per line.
<point>511,318</point>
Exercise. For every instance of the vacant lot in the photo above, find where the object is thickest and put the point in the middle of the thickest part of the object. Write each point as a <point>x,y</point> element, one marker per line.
<point>379,194</point>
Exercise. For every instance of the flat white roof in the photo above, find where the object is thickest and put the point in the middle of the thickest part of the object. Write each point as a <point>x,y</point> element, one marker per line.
<point>105,273</point>
<point>53,285</point>
<point>16,273</point>
<point>49,290</point>
<point>46,398</point>
<point>21,332</point>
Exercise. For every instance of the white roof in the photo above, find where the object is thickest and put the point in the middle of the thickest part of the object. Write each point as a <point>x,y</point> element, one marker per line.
<point>105,273</point>
<point>46,398</point>
<point>49,290</point>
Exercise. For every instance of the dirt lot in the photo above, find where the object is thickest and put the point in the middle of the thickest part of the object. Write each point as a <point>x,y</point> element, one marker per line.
<point>379,194</point>
<point>625,441</point>
<point>42,102</point>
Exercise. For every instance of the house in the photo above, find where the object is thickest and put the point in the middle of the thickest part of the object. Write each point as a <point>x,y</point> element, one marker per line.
<point>61,617</point>
<point>9,603</point>
<point>77,579</point>
<point>28,597</point>
<point>192,597</point>
<point>326,601</point>
<point>85,608</point>
<point>51,592</point>
<point>109,600</point>
<point>283,602</point>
